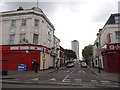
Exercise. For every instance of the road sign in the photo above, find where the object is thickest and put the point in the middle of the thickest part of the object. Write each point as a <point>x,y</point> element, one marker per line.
<point>43,58</point>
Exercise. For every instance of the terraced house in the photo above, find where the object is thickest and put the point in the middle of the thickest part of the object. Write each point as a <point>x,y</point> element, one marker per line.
<point>27,34</point>
<point>106,49</point>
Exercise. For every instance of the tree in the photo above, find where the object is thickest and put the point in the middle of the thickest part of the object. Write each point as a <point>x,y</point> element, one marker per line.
<point>87,53</point>
<point>70,54</point>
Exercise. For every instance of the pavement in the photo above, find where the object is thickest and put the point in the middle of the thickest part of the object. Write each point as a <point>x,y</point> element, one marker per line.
<point>114,77</point>
<point>20,74</point>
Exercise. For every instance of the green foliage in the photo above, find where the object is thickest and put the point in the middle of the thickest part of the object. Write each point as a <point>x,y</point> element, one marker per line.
<point>87,53</point>
<point>70,54</point>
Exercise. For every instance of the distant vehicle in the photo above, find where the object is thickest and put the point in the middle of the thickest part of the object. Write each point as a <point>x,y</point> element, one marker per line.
<point>70,64</point>
<point>83,64</point>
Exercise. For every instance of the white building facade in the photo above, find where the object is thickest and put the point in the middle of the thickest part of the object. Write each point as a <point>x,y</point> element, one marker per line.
<point>29,26</point>
<point>108,35</point>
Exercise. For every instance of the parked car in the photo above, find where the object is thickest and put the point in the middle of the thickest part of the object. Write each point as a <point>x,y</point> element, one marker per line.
<point>70,64</point>
<point>83,64</point>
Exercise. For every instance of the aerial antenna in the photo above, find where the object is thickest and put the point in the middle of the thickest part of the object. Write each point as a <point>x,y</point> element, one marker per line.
<point>37,3</point>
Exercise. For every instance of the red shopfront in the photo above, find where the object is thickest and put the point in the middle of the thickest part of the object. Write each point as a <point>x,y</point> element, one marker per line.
<point>12,56</point>
<point>111,58</point>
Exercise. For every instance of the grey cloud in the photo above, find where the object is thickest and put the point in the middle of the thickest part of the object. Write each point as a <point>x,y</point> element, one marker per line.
<point>104,12</point>
<point>47,7</point>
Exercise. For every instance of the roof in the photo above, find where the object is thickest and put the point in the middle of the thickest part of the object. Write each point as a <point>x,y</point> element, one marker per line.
<point>20,11</point>
<point>111,19</point>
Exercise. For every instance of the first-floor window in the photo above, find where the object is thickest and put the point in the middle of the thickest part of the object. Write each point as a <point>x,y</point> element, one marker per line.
<point>35,38</point>
<point>12,39</point>
<point>22,37</point>
<point>49,42</point>
<point>117,33</point>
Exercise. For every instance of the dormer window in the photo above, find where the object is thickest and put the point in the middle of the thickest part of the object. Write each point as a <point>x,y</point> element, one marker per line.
<point>117,19</point>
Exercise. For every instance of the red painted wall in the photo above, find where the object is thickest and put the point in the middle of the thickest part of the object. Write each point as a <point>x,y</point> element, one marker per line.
<point>111,60</point>
<point>10,59</point>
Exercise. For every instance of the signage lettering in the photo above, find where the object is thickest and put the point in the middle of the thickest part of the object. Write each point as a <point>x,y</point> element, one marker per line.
<point>113,47</point>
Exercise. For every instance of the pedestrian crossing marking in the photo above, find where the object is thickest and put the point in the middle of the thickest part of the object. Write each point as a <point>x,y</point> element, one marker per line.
<point>93,81</point>
<point>35,79</point>
<point>65,79</point>
<point>105,82</point>
<point>52,79</point>
<point>77,79</point>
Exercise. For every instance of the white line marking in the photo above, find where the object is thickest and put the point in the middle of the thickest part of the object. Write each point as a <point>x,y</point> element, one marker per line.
<point>52,79</point>
<point>93,81</point>
<point>81,71</point>
<point>105,81</point>
<point>78,80</point>
<point>67,70</point>
<point>35,79</point>
<point>28,82</point>
<point>11,81</point>
<point>65,79</point>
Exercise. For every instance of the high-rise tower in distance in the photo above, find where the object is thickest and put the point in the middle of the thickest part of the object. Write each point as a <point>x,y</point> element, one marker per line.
<point>75,47</point>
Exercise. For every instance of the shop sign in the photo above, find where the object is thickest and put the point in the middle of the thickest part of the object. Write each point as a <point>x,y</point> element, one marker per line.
<point>14,48</point>
<point>114,47</point>
<point>24,48</point>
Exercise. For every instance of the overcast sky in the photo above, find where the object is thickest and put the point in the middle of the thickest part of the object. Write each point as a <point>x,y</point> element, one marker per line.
<point>73,19</point>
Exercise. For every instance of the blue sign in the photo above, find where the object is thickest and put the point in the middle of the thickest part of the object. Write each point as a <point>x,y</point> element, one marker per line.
<point>22,67</point>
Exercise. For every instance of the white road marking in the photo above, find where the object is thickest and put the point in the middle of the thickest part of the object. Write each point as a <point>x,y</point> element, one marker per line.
<point>28,82</point>
<point>105,82</point>
<point>72,72</point>
<point>65,79</point>
<point>11,81</point>
<point>67,70</point>
<point>35,79</point>
<point>93,81</point>
<point>52,79</point>
<point>81,71</point>
<point>78,80</point>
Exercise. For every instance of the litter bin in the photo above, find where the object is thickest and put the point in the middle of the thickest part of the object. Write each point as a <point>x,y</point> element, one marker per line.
<point>22,67</point>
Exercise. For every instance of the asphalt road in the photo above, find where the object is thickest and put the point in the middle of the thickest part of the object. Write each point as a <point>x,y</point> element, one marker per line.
<point>75,77</point>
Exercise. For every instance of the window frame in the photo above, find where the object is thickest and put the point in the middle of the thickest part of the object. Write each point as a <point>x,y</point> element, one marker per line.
<point>35,38</point>
<point>24,22</point>
<point>13,23</point>
<point>11,39</point>
<point>22,38</point>
<point>36,22</point>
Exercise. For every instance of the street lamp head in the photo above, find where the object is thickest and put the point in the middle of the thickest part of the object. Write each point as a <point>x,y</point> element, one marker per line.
<point>97,44</point>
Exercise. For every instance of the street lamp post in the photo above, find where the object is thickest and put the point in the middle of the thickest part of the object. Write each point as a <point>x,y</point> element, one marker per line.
<point>97,44</point>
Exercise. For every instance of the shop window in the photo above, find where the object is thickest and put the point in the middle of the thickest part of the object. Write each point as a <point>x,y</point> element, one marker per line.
<point>35,38</point>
